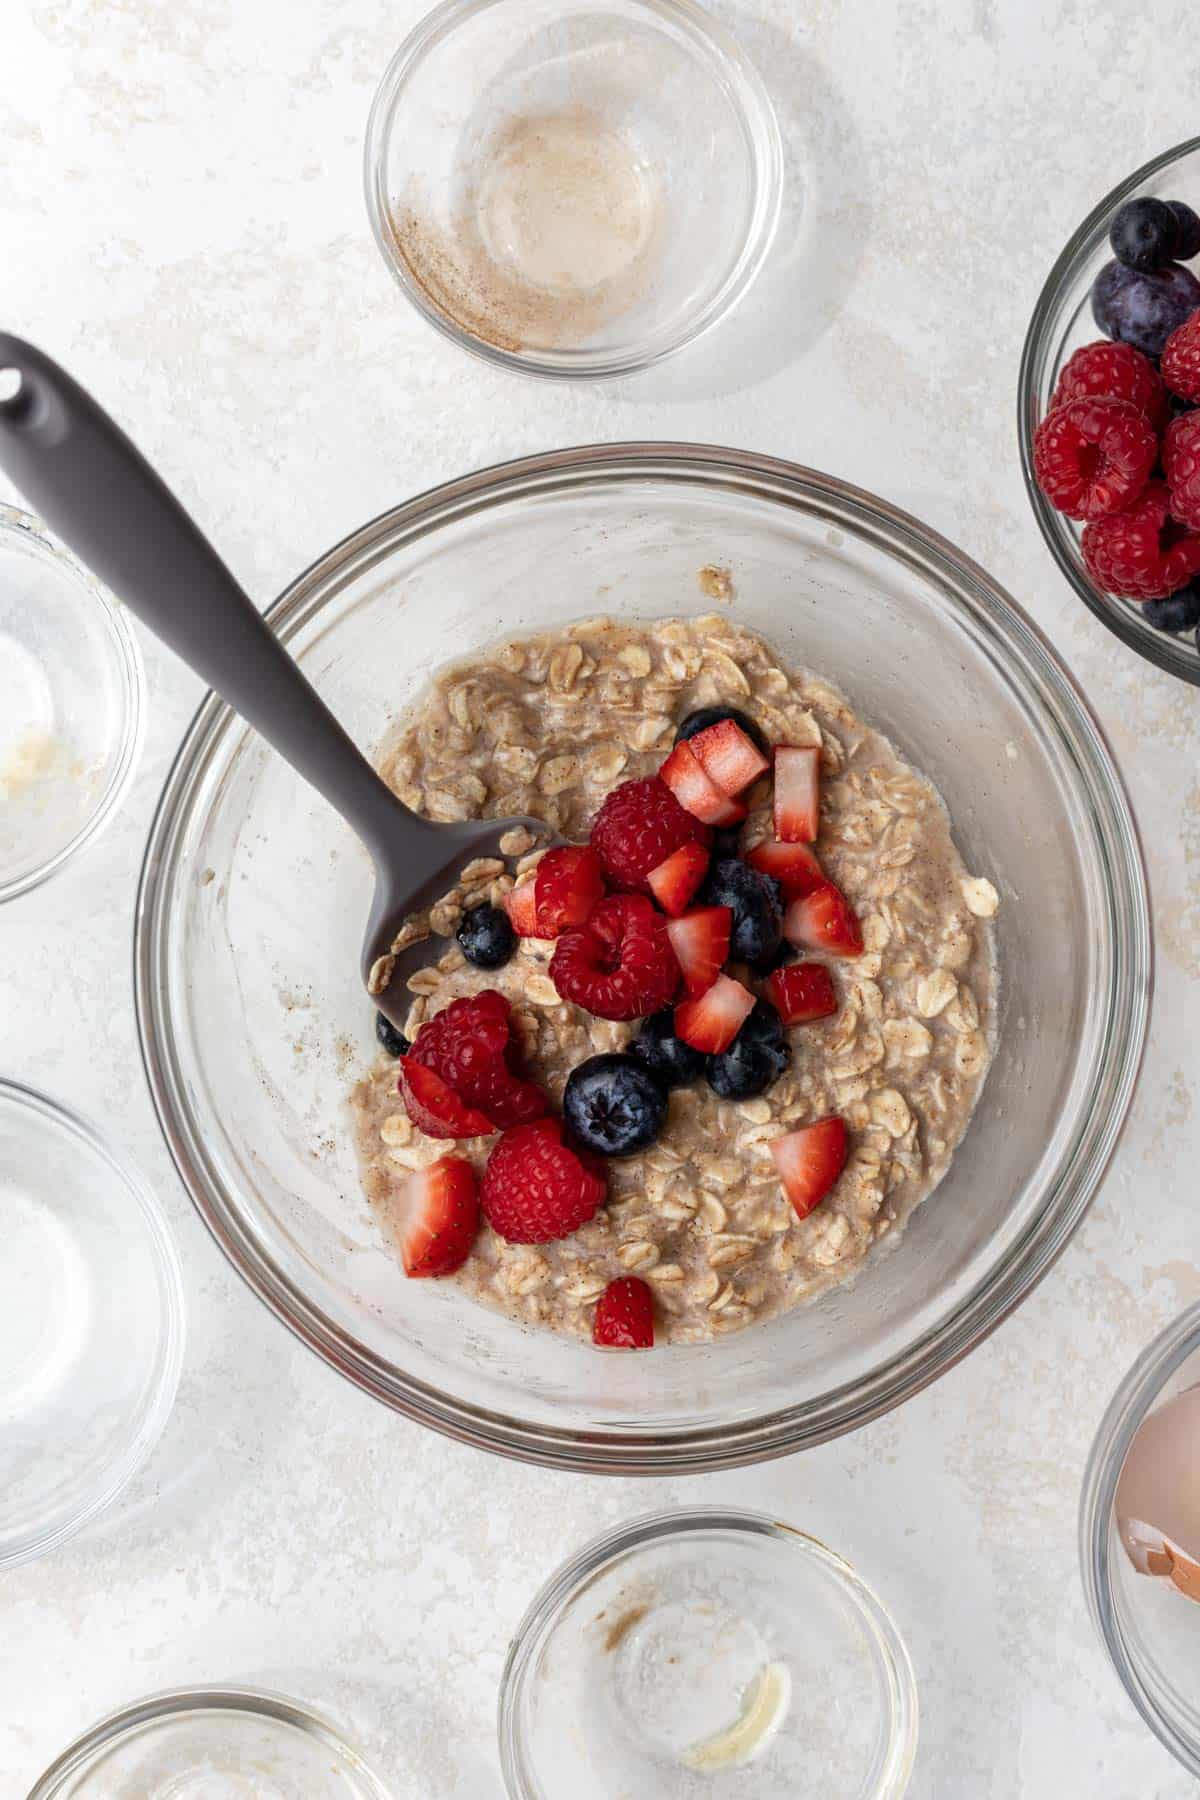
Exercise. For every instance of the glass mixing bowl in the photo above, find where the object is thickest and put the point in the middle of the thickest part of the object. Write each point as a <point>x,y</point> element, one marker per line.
<point>253,1024</point>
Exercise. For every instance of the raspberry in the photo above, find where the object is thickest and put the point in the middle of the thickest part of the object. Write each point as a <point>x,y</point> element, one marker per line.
<point>619,965</point>
<point>536,1188</point>
<point>1107,371</point>
<point>1094,457</point>
<point>1141,554</point>
<point>639,825</point>
<point>1181,359</point>
<point>625,1315</point>
<point>470,1044</point>
<point>1181,465</point>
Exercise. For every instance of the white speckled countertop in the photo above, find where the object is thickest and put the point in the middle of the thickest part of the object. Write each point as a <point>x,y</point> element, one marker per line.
<point>183,225</point>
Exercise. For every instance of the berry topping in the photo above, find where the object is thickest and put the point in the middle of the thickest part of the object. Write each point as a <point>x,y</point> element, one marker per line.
<point>1181,360</point>
<point>700,941</point>
<point>471,1044</point>
<point>1143,309</point>
<point>637,828</point>
<point>520,903</point>
<point>486,937</point>
<point>665,1055</point>
<point>536,1188</point>
<point>1144,233</point>
<point>1142,553</point>
<point>824,921</point>
<point>756,903</point>
<point>613,1104</point>
<point>1187,225</point>
<point>625,1315</point>
<point>695,790</point>
<point>435,1108</point>
<point>620,964</point>
<point>1108,371</point>
<point>441,1216</point>
<point>707,716</point>
<point>729,758</point>
<point>393,1041</point>
<point>757,1056</point>
<point>713,1020</point>
<point>675,881</point>
<point>1093,457</point>
<point>802,993</point>
<point>1181,465</point>
<point>809,1161</point>
<point>567,885</point>
<point>793,866</point>
<point>797,794</point>
<point>1179,612</point>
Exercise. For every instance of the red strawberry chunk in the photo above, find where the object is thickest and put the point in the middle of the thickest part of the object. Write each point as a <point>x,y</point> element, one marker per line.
<point>694,790</point>
<point>435,1108</point>
<point>472,1045</point>
<point>797,794</point>
<point>728,757</point>
<point>521,906</point>
<point>638,826</point>
<point>537,1188</point>
<point>824,921</point>
<point>620,965</point>
<point>809,1161</point>
<point>793,866</point>
<point>568,885</point>
<point>801,992</point>
<point>713,1020</point>
<point>441,1217</point>
<point>700,940</point>
<point>625,1315</point>
<point>675,881</point>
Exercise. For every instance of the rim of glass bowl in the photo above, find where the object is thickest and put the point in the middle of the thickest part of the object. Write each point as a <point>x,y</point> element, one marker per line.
<point>30,531</point>
<point>180,1701</point>
<point>158,1405</point>
<point>765,147</point>
<point>573,1576</point>
<point>1046,330</point>
<point>1128,1407</point>
<point>995,618</point>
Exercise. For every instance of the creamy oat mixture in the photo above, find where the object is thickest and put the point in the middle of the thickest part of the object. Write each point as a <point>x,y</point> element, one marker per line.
<point>546,726</point>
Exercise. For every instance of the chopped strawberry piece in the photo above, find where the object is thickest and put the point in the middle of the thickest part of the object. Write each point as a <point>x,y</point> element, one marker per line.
<point>713,1020</point>
<point>695,791</point>
<point>521,906</point>
<point>801,992</point>
<point>568,885</point>
<point>536,1188</point>
<point>797,794</point>
<point>675,881</point>
<point>824,921</point>
<point>809,1161</point>
<point>793,866</point>
<point>728,757</point>
<point>625,1315</point>
<point>700,940</point>
<point>441,1206</point>
<point>472,1045</point>
<point>620,965</point>
<point>435,1108</point>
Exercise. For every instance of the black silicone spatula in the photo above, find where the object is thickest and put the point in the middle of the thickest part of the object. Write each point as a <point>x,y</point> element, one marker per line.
<point>92,487</point>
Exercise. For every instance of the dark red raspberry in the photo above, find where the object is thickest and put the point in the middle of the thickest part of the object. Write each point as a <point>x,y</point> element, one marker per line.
<point>471,1044</point>
<point>1094,457</point>
<point>639,825</point>
<point>536,1188</point>
<point>1181,465</point>
<point>1141,554</point>
<point>1180,363</point>
<point>1108,371</point>
<point>620,965</point>
<point>625,1315</point>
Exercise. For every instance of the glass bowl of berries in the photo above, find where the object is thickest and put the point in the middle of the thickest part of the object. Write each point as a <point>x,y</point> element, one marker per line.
<point>1110,440</point>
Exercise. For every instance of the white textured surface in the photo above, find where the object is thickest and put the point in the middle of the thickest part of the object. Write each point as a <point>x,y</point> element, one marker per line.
<point>182,224</point>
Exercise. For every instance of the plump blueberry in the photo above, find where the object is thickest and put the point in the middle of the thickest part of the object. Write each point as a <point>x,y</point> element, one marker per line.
<point>1143,233</point>
<point>712,715</point>
<point>1143,309</point>
<point>665,1055</point>
<point>393,1041</point>
<point>727,841</point>
<point>757,904</point>
<point>786,953</point>
<point>757,1056</point>
<point>614,1105</point>
<point>1187,231</point>
<point>1178,612</point>
<point>486,937</point>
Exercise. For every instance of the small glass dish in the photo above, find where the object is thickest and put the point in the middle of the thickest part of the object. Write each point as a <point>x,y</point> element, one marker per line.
<point>91,1323</point>
<point>71,705</point>
<point>212,1742</point>
<point>573,188</point>
<point>1150,1631</point>
<point>702,1652</point>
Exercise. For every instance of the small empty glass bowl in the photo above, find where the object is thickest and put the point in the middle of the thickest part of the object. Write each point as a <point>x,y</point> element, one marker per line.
<point>570,187</point>
<point>211,1743</point>
<point>91,1323</point>
<point>70,705</point>
<point>701,1653</point>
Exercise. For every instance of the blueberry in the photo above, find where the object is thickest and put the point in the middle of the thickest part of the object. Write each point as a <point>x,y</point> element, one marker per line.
<point>486,937</point>
<point>786,953</point>
<point>757,904</point>
<point>393,1041</point>
<point>665,1055</point>
<point>727,842</point>
<point>712,715</point>
<point>614,1105</point>
<point>1178,612</point>
<point>1143,233</point>
<point>1143,309</point>
<point>757,1056</point>
<point>1187,231</point>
